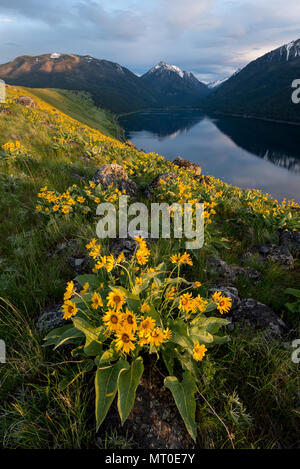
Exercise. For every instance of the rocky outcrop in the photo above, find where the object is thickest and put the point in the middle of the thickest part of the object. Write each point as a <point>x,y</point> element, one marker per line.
<point>165,177</point>
<point>186,164</point>
<point>50,319</point>
<point>251,314</point>
<point>270,253</point>
<point>290,240</point>
<point>229,273</point>
<point>6,111</point>
<point>26,101</point>
<point>115,174</point>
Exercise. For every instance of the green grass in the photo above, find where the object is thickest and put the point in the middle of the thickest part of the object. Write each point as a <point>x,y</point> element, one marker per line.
<point>79,105</point>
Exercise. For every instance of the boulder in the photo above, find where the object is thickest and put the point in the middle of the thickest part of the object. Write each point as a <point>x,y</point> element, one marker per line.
<point>77,264</point>
<point>50,319</point>
<point>157,182</point>
<point>290,240</point>
<point>186,164</point>
<point>251,314</point>
<point>6,111</point>
<point>229,273</point>
<point>270,253</point>
<point>26,101</point>
<point>115,174</point>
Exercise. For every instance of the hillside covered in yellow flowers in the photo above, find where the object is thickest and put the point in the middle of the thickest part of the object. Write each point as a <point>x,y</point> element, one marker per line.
<point>243,282</point>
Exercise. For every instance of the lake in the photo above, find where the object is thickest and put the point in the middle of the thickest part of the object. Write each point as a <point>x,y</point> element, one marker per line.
<point>245,152</point>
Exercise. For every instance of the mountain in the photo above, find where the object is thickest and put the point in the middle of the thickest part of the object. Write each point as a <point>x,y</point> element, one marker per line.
<point>263,87</point>
<point>217,83</point>
<point>111,86</point>
<point>173,86</point>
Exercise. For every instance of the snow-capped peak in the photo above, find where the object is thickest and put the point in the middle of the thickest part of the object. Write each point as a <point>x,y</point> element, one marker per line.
<point>55,55</point>
<point>171,68</point>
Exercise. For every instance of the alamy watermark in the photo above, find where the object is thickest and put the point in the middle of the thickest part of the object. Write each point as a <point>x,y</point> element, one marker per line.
<point>2,351</point>
<point>161,220</point>
<point>296,352</point>
<point>296,93</point>
<point>2,92</point>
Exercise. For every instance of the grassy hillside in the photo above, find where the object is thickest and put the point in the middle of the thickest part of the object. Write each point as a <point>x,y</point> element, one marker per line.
<point>247,390</point>
<point>78,105</point>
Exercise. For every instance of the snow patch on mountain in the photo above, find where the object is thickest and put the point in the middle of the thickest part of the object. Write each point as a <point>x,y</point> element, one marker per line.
<point>163,66</point>
<point>215,84</point>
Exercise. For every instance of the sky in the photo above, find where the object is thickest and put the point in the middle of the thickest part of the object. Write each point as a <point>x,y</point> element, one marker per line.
<point>211,38</point>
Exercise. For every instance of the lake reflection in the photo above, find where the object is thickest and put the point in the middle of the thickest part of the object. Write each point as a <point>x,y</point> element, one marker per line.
<point>244,152</point>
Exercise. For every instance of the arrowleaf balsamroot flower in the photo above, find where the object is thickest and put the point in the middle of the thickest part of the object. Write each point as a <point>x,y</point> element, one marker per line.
<point>186,302</point>
<point>124,341</point>
<point>113,320</point>
<point>96,301</point>
<point>223,303</point>
<point>129,321</point>
<point>116,299</point>
<point>69,309</point>
<point>199,351</point>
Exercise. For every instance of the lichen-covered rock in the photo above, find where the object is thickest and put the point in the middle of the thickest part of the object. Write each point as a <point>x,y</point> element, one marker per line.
<point>115,174</point>
<point>229,273</point>
<point>220,267</point>
<point>251,314</point>
<point>160,179</point>
<point>290,240</point>
<point>77,264</point>
<point>26,101</point>
<point>270,253</point>
<point>50,319</point>
<point>6,111</point>
<point>186,164</point>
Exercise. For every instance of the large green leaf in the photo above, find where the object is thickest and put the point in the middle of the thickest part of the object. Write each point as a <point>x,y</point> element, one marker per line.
<point>91,332</point>
<point>180,334</point>
<point>63,335</point>
<point>293,291</point>
<point>184,396</point>
<point>106,382</point>
<point>127,385</point>
<point>90,278</point>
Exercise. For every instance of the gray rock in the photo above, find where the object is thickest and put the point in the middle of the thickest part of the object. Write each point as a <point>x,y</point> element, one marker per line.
<point>6,111</point>
<point>26,101</point>
<point>157,181</point>
<point>270,253</point>
<point>290,240</point>
<point>186,164</point>
<point>115,174</point>
<point>50,319</point>
<point>251,314</point>
<point>67,244</point>
<point>220,267</point>
<point>77,264</point>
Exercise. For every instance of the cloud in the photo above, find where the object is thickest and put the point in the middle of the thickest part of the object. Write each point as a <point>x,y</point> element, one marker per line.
<point>212,38</point>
